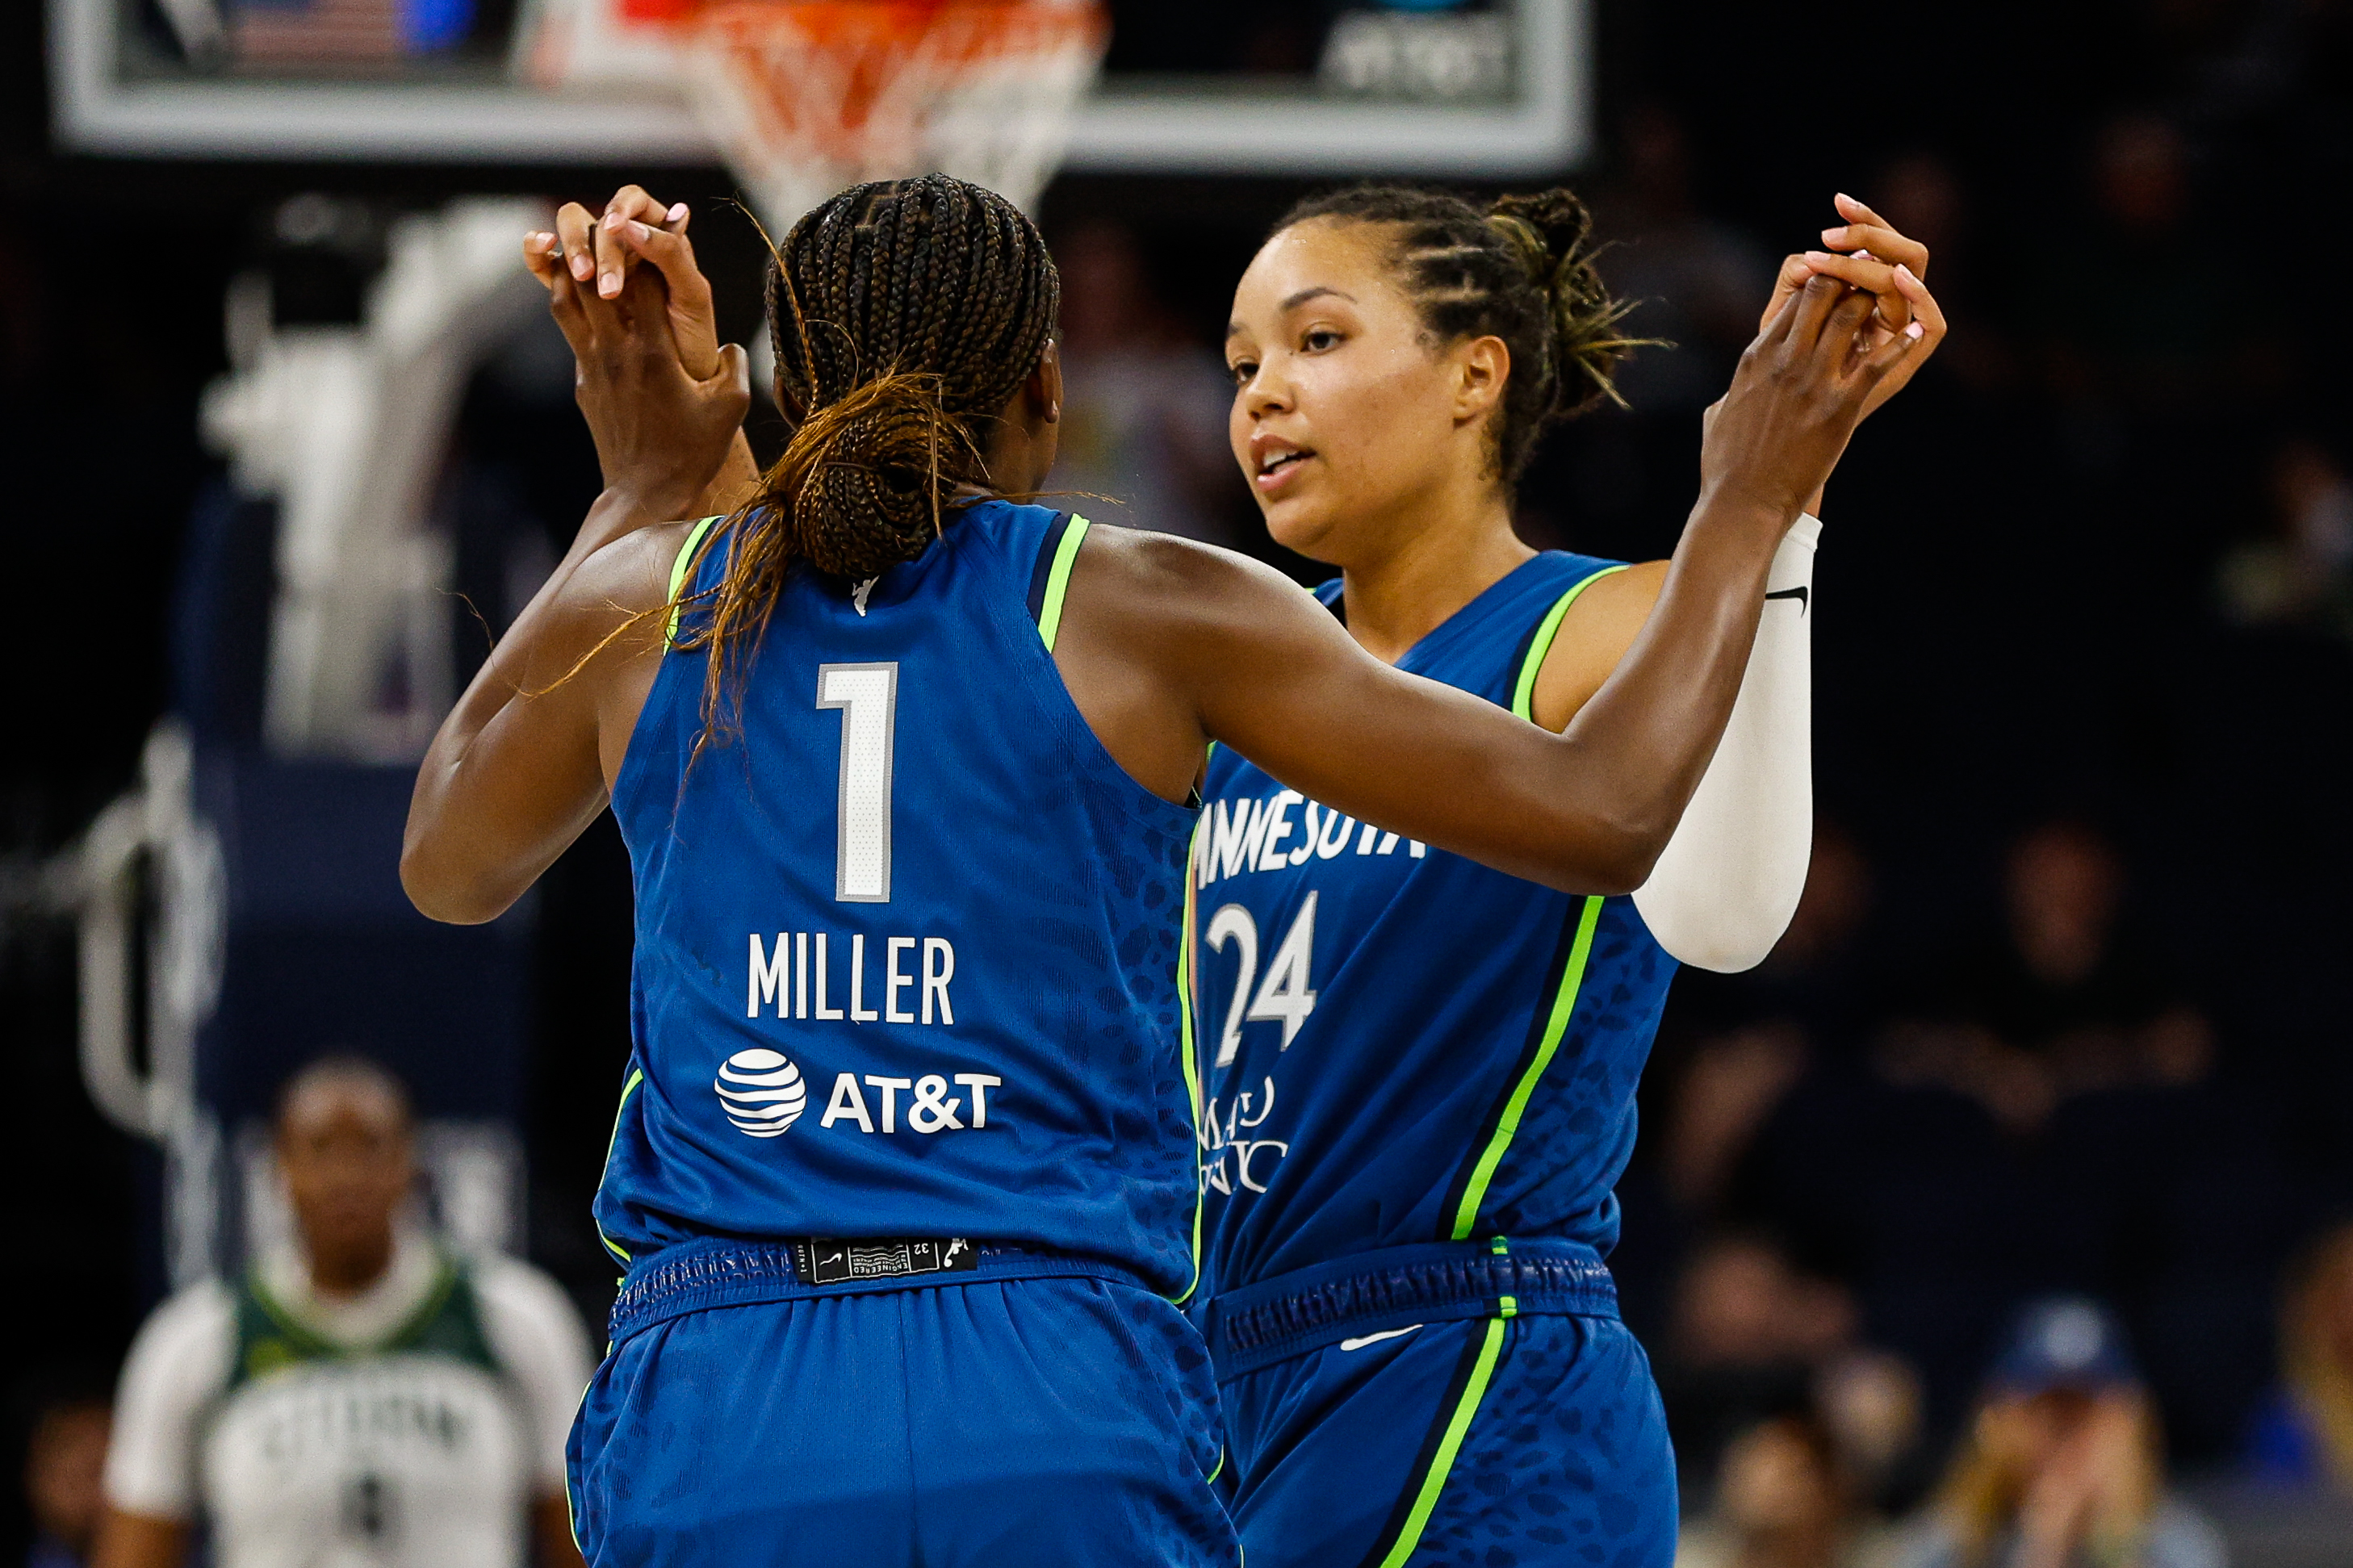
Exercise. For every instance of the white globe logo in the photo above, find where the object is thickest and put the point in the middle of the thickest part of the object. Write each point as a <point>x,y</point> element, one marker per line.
<point>762,1092</point>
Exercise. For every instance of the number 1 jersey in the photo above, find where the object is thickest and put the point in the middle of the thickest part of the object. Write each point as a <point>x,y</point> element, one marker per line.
<point>1401,1045</point>
<point>907,942</point>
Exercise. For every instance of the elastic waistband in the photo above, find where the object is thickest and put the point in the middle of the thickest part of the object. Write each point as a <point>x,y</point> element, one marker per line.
<point>1396,1287</point>
<point>696,1276</point>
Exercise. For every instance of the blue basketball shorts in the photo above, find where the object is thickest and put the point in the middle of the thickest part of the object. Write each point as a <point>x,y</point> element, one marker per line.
<point>1515,1439</point>
<point>991,1420</point>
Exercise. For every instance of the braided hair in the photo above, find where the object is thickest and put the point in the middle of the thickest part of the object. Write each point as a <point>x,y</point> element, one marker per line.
<point>905,315</point>
<point>1521,269</point>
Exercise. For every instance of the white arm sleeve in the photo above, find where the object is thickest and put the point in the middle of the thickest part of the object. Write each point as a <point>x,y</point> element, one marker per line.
<point>179,1365</point>
<point>537,1338</point>
<point>1728,881</point>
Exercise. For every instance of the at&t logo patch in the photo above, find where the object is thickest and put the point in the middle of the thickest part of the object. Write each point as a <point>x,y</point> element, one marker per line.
<point>761,1091</point>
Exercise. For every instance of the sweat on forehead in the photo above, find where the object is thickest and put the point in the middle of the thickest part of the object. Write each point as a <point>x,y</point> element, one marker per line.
<point>330,1078</point>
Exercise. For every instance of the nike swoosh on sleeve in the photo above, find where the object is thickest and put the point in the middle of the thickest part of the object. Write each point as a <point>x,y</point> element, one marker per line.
<point>1797,593</point>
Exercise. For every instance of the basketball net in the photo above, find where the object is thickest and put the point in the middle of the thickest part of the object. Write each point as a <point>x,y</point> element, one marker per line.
<point>806,97</point>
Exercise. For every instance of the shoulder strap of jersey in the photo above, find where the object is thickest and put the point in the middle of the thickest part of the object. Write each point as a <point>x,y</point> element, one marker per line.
<point>681,567</point>
<point>450,1323</point>
<point>1050,581</point>
<point>447,1322</point>
<point>268,1337</point>
<point>1540,641</point>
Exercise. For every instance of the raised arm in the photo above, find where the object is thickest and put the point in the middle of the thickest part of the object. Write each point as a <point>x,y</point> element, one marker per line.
<point>1727,883</point>
<point>1268,671</point>
<point>604,250</point>
<point>519,768</point>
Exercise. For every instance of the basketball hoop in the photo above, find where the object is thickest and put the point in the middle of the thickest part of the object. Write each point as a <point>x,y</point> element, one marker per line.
<point>805,97</point>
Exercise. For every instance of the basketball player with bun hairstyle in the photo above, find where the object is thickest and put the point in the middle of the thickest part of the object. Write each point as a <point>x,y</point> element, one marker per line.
<point>904,1179</point>
<point>1421,1088</point>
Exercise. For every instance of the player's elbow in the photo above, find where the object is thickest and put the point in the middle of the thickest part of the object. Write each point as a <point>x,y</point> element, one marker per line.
<point>1720,931</point>
<point>440,893</point>
<point>1716,952</point>
<point>1618,858</point>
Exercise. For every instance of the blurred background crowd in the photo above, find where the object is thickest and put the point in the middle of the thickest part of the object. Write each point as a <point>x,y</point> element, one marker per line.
<point>2006,1212</point>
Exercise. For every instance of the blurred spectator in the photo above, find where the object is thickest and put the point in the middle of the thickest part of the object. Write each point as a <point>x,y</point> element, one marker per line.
<point>1727,1090</point>
<point>1761,1028</point>
<point>65,1463</point>
<point>2301,573</point>
<point>364,1396</point>
<point>2062,971</point>
<point>1755,1338</point>
<point>1831,909</point>
<point>1922,196</point>
<point>1699,284</point>
<point>2152,339</point>
<point>1782,1500</point>
<point>1144,409</point>
<point>2061,1467</point>
<point>2303,1437</point>
<point>1744,1304</point>
<point>2061,1003</point>
<point>1871,1403</point>
<point>1818,978</point>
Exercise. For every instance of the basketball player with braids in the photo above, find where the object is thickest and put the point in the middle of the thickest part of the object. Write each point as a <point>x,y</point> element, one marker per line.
<point>904,1179</point>
<point>1420,1090</point>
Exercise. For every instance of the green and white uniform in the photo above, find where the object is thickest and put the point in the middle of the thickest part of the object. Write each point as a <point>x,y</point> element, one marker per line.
<point>408,1427</point>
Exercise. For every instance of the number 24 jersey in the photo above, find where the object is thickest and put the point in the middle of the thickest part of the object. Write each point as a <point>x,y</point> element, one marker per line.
<point>1402,1045</point>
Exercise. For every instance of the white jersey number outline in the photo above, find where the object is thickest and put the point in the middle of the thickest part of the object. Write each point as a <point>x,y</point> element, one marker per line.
<point>1286,995</point>
<point>867,696</point>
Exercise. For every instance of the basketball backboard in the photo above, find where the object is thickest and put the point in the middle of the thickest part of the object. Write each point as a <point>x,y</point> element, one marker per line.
<point>1475,88</point>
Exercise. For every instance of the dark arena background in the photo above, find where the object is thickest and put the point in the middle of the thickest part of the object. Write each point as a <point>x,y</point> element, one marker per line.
<point>2064,1012</point>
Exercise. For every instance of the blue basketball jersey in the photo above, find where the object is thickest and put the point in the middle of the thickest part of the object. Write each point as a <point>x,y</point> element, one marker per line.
<point>1402,1046</point>
<point>907,946</point>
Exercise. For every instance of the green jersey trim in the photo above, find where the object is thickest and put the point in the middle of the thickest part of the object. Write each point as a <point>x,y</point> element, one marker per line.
<point>1507,1125</point>
<point>1523,689</point>
<point>1448,1445</point>
<point>637,1076</point>
<point>1058,580</point>
<point>680,568</point>
<point>1192,1065</point>
<point>1572,979</point>
<point>447,1323</point>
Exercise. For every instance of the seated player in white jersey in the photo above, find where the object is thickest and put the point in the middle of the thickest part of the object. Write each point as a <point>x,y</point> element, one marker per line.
<point>361,1400</point>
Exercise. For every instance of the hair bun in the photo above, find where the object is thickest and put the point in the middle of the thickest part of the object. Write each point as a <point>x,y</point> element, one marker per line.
<point>1557,222</point>
<point>877,468</point>
<point>1554,231</point>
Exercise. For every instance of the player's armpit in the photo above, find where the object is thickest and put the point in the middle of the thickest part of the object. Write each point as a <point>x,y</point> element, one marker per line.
<point>520,767</point>
<point>1602,623</point>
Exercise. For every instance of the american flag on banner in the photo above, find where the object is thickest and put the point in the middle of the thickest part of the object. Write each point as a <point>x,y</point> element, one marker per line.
<point>281,34</point>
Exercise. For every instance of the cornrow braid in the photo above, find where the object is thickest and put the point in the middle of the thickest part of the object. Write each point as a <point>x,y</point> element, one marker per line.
<point>905,315</point>
<point>1522,270</point>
